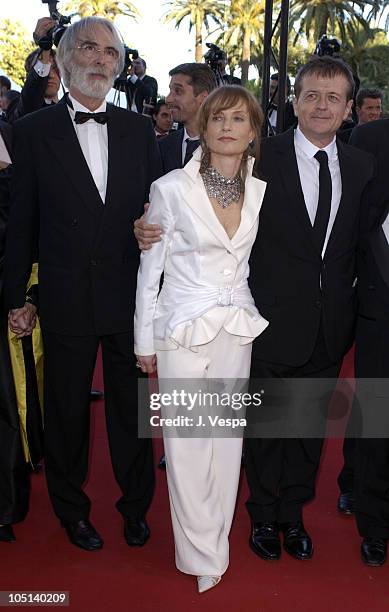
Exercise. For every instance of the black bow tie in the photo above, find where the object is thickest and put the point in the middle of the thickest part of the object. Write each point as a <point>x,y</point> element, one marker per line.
<point>84,117</point>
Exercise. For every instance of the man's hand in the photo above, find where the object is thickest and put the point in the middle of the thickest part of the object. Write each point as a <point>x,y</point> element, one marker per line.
<point>22,320</point>
<point>43,26</point>
<point>148,363</point>
<point>146,233</point>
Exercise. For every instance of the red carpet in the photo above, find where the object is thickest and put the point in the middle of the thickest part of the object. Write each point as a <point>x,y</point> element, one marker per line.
<point>119,579</point>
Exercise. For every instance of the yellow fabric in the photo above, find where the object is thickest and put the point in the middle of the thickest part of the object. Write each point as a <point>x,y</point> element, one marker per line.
<point>19,373</point>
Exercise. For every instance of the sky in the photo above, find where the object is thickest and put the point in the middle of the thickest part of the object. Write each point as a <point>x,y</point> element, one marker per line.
<point>161,45</point>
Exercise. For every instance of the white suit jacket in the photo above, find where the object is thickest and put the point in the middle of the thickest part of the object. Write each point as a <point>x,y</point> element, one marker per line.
<point>205,273</point>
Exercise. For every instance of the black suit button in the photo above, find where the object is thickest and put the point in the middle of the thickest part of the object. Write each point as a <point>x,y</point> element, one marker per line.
<point>93,262</point>
<point>318,303</point>
<point>371,287</point>
<point>74,222</point>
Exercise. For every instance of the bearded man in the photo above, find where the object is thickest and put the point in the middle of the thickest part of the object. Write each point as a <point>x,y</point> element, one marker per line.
<point>83,169</point>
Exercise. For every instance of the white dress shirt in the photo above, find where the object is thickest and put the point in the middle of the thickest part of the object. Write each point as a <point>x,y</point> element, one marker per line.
<point>309,168</point>
<point>385,227</point>
<point>93,139</point>
<point>134,78</point>
<point>185,144</point>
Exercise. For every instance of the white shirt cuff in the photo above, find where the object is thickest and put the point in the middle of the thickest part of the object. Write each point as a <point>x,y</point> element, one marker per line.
<point>42,69</point>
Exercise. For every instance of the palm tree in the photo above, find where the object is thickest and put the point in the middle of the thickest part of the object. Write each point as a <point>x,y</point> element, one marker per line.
<point>103,8</point>
<point>244,28</point>
<point>200,12</point>
<point>315,16</point>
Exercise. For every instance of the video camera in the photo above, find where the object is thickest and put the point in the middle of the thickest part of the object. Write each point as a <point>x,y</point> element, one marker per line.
<point>327,46</point>
<point>54,36</point>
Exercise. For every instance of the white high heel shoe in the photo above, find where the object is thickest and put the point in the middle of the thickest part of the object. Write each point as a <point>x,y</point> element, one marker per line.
<point>204,583</point>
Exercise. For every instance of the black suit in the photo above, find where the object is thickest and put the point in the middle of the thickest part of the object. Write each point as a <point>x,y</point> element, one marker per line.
<point>372,338</point>
<point>143,90</point>
<point>310,305</point>
<point>88,261</point>
<point>171,151</point>
<point>32,97</point>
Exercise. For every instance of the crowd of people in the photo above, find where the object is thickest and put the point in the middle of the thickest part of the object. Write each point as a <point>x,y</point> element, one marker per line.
<point>258,260</point>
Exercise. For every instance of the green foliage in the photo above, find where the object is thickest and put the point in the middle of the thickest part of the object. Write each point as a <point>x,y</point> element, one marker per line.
<point>103,8</point>
<point>200,13</point>
<point>15,45</point>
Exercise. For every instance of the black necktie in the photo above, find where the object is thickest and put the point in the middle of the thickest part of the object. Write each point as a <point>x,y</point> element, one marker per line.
<point>191,146</point>
<point>324,204</point>
<point>83,117</point>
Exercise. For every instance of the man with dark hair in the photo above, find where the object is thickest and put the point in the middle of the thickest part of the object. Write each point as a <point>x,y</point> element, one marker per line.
<point>5,85</point>
<point>369,105</point>
<point>189,86</point>
<point>308,298</point>
<point>162,117</point>
<point>371,458</point>
<point>142,87</point>
<point>290,119</point>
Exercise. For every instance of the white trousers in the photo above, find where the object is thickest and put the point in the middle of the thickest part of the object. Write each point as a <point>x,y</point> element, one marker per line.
<point>203,473</point>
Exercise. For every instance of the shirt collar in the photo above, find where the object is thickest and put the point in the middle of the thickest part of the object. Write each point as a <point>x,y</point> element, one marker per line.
<point>77,106</point>
<point>186,136</point>
<point>310,150</point>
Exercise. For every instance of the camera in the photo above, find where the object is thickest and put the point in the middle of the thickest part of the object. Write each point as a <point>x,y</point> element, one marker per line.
<point>327,46</point>
<point>54,36</point>
<point>129,55</point>
<point>214,56</point>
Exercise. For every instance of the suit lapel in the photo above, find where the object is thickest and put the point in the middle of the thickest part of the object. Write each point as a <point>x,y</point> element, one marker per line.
<point>253,196</point>
<point>196,197</point>
<point>64,146</point>
<point>291,179</point>
<point>118,147</point>
<point>347,205</point>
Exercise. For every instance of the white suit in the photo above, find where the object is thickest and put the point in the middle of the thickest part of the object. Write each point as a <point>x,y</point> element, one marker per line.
<point>201,325</point>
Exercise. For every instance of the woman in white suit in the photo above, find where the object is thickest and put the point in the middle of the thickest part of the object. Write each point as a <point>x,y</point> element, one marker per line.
<point>203,322</point>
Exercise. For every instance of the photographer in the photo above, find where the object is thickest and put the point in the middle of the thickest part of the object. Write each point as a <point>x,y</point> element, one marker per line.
<point>142,87</point>
<point>42,83</point>
<point>162,119</point>
<point>228,79</point>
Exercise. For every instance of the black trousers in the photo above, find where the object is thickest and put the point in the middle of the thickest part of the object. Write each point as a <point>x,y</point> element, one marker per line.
<point>14,473</point>
<point>281,472</point>
<point>69,365</point>
<point>372,453</point>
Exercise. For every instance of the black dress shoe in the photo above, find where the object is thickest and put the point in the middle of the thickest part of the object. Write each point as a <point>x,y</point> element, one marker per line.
<point>95,395</point>
<point>7,534</point>
<point>265,542</point>
<point>346,503</point>
<point>162,463</point>
<point>297,542</point>
<point>136,532</point>
<point>373,551</point>
<point>83,534</point>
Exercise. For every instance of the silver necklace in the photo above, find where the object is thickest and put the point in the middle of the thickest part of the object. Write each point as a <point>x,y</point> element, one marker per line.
<point>224,190</point>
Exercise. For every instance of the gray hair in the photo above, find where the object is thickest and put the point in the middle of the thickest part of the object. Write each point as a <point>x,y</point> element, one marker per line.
<point>77,31</point>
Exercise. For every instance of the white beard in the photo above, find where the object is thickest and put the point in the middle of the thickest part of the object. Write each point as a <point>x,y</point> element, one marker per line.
<point>97,89</point>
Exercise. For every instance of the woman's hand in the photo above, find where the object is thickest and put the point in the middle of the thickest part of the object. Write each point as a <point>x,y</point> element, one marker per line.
<point>147,363</point>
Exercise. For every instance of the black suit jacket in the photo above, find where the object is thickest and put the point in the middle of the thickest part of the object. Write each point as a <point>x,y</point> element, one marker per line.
<point>170,148</point>
<point>373,259</point>
<point>286,267</point>
<point>143,90</point>
<point>5,176</point>
<point>88,255</point>
<point>32,97</point>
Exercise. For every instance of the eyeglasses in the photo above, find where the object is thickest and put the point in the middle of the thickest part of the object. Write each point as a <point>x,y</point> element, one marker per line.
<point>90,50</point>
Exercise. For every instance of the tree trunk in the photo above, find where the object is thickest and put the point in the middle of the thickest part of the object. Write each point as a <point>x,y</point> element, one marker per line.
<point>199,40</point>
<point>246,56</point>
